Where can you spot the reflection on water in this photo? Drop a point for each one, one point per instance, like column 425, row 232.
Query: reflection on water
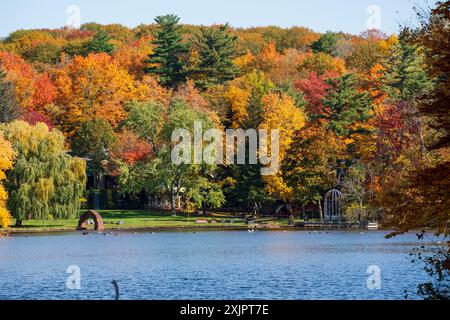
column 209, row 265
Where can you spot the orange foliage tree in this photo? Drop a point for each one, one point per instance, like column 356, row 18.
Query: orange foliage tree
column 92, row 86
column 34, row 90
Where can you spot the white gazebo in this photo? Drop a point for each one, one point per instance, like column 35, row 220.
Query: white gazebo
column 333, row 205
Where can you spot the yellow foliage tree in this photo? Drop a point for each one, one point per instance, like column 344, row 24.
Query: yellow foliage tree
column 243, row 90
column 281, row 113
column 6, row 158
column 238, row 97
column 245, row 61
column 387, row 45
column 322, row 63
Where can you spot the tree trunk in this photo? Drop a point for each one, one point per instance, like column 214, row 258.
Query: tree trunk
column 18, row 223
column 321, row 211
column 204, row 208
column 172, row 203
column 361, row 205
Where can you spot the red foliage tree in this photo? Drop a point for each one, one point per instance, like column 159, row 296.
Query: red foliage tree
column 130, row 149
column 33, row 117
column 315, row 89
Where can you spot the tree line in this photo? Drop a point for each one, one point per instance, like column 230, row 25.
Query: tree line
column 357, row 113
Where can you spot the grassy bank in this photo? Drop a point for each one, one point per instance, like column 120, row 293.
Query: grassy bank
column 135, row 219
column 117, row 220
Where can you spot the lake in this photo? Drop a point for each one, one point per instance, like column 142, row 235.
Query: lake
column 224, row 265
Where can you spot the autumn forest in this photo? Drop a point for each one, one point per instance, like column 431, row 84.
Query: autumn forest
column 365, row 114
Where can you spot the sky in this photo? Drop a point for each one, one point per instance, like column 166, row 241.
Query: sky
column 350, row 16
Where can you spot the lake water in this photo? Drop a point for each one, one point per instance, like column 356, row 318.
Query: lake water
column 222, row 265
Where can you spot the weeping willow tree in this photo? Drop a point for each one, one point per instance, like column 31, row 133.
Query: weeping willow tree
column 45, row 181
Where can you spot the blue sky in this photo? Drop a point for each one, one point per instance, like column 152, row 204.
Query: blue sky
column 320, row 15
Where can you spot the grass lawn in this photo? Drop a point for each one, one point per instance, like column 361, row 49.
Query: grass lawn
column 132, row 219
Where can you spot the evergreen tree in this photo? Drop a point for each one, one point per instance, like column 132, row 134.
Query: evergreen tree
column 406, row 77
column 216, row 50
column 9, row 107
column 347, row 107
column 100, row 43
column 45, row 181
column 166, row 60
column 327, row 43
column 406, row 80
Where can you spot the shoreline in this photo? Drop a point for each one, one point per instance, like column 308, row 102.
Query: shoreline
column 16, row 231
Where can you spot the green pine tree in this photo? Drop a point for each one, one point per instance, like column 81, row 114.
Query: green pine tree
column 347, row 107
column 216, row 49
column 166, row 60
column 100, row 43
column 406, row 78
column 327, row 43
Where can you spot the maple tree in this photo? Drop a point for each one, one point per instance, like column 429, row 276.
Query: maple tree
column 92, row 86
column 33, row 117
column 298, row 38
column 244, row 97
column 33, row 90
column 322, row 64
column 129, row 148
column 134, row 54
column 280, row 113
column 268, row 58
column 315, row 89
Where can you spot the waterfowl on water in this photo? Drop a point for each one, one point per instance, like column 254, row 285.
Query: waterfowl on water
column 116, row 289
